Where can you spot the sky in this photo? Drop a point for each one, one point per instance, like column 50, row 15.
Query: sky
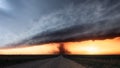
column 18, row 18
column 37, row 21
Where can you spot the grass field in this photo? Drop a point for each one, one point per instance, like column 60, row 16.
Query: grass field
column 96, row 61
column 8, row 60
column 89, row 61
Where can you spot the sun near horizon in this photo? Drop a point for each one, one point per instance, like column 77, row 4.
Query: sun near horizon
column 88, row 47
column 96, row 47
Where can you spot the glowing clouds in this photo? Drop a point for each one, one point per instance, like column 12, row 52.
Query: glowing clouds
column 88, row 47
column 97, row 47
column 32, row 50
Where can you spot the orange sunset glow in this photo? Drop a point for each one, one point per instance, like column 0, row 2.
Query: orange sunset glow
column 88, row 47
column 96, row 47
column 36, row 49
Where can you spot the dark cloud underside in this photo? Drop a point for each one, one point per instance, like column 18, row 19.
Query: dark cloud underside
column 96, row 19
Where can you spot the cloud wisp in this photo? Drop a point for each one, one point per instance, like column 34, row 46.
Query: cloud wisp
column 88, row 20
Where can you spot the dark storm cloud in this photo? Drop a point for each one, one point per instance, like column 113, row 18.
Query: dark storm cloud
column 95, row 19
column 17, row 17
